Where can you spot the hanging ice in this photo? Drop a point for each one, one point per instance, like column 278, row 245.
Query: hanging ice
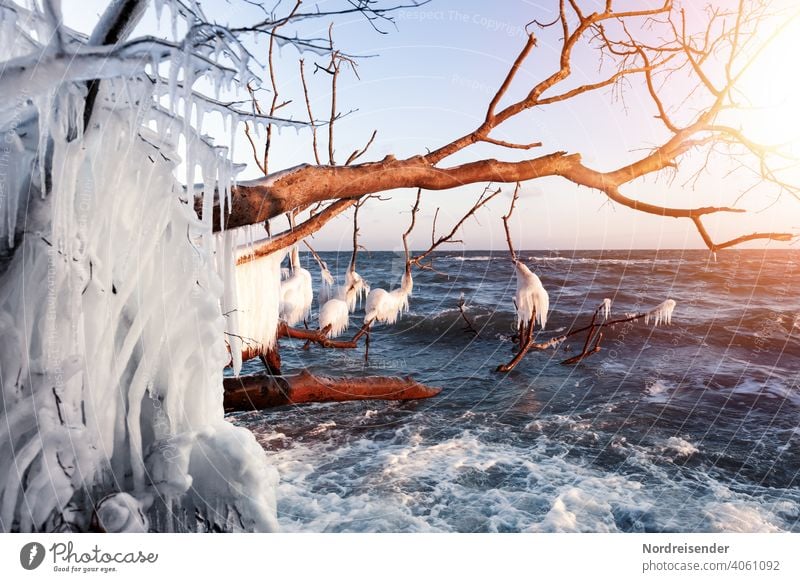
column 111, row 308
column 297, row 292
column 606, row 308
column 335, row 316
column 355, row 289
column 387, row 306
column 531, row 297
column 662, row 313
column 256, row 311
column 327, row 285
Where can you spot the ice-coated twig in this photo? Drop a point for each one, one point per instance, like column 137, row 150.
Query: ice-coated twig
column 662, row 313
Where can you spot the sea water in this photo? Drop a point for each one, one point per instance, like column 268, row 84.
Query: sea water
column 692, row 427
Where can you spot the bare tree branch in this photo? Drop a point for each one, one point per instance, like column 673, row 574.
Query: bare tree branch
column 613, row 34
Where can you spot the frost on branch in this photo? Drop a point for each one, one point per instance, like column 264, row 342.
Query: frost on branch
column 111, row 300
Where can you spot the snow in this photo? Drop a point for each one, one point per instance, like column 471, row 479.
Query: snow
column 531, row 297
column 118, row 306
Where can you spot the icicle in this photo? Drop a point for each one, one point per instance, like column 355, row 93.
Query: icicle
column 531, row 297
column 606, row 308
column 661, row 313
column 173, row 13
column 355, row 289
column 258, row 312
column 14, row 179
column 230, row 306
column 174, row 70
column 297, row 292
column 327, row 284
column 129, row 327
column 334, row 313
column 159, row 5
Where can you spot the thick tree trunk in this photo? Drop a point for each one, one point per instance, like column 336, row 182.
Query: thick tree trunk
column 263, row 391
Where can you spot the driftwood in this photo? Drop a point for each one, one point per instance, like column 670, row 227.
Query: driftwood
column 591, row 344
column 259, row 391
column 468, row 328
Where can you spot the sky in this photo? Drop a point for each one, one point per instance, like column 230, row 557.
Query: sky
column 428, row 79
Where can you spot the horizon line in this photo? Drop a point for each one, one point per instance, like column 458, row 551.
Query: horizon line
column 383, row 250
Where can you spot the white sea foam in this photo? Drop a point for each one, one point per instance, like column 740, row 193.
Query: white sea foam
column 738, row 517
column 771, row 389
column 658, row 391
column 595, row 261
column 407, row 482
column 679, row 447
column 575, row 260
column 478, row 258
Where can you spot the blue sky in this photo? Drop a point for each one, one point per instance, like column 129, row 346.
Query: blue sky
column 430, row 82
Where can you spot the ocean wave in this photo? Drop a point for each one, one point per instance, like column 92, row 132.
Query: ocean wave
column 658, row 391
column 604, row 261
column 680, row 448
column 404, row 481
column 478, row 258
column 576, row 260
column 771, row 389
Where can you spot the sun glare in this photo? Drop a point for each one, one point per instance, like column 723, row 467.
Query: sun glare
column 771, row 88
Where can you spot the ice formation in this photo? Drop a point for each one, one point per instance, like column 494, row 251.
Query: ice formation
column 297, row 292
column 352, row 292
column 355, row 289
column 120, row 513
column 337, row 301
column 111, row 301
column 662, row 313
column 248, row 308
column 387, row 306
column 531, row 297
column 605, row 308
column 327, row 284
column 334, row 313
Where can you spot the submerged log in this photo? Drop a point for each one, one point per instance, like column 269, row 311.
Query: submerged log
column 259, row 391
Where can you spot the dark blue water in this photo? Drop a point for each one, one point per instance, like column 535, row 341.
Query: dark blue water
column 688, row 427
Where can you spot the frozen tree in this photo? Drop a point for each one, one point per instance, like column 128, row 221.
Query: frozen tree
column 114, row 292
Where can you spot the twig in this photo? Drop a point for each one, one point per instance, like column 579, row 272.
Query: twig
column 310, row 115
column 274, row 105
column 461, row 308
column 483, row 199
column 505, row 223
column 358, row 153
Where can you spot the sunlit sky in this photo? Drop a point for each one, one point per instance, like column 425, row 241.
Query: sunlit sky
column 429, row 81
